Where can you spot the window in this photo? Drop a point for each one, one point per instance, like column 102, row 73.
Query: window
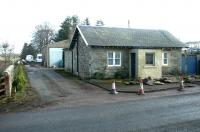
column 114, row 58
column 165, row 58
column 110, row 58
column 149, row 57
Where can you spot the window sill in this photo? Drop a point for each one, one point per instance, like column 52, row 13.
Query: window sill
column 150, row 66
column 113, row 66
column 165, row 66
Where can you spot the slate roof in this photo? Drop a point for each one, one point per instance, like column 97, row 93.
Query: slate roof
column 106, row 36
column 60, row 44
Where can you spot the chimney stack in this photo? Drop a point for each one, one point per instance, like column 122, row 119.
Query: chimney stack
column 128, row 23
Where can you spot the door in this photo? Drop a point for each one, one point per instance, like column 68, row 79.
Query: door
column 133, row 65
column 189, row 64
column 56, row 57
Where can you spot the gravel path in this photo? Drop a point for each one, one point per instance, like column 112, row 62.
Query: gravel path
column 58, row 91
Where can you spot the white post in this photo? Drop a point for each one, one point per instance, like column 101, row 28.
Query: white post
column 114, row 91
column 9, row 73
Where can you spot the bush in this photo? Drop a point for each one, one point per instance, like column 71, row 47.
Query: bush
column 19, row 78
column 99, row 75
column 121, row 74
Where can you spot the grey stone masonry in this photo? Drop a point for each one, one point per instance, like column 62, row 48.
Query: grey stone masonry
column 93, row 59
column 68, row 60
column 83, row 59
column 99, row 61
column 174, row 62
column 74, row 57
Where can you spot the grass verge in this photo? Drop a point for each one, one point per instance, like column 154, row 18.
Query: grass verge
column 20, row 99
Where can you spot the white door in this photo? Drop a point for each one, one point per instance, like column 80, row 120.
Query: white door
column 55, row 57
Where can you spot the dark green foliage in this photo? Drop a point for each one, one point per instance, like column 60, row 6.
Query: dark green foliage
column 121, row 74
column 186, row 78
column 67, row 26
column 86, row 22
column 28, row 49
column 19, row 78
column 99, row 75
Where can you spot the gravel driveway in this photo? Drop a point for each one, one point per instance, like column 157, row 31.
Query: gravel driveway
column 56, row 90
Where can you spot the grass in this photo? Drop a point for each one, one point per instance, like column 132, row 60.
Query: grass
column 18, row 97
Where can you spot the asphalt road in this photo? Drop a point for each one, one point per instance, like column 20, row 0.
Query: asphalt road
column 173, row 113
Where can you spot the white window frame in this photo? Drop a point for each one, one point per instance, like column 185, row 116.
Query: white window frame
column 163, row 59
column 114, row 52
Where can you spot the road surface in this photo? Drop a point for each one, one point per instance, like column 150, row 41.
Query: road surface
column 173, row 113
column 72, row 105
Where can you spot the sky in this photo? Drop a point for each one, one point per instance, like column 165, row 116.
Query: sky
column 19, row 17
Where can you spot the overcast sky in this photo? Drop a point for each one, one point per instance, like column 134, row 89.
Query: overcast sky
column 19, row 17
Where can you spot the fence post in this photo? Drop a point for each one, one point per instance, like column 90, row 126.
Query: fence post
column 7, row 85
column 198, row 64
column 9, row 74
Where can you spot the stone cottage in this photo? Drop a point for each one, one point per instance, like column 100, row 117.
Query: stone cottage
column 140, row 52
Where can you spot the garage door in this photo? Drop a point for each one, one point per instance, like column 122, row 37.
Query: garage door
column 56, row 57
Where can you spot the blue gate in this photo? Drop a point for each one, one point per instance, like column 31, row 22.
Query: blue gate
column 189, row 64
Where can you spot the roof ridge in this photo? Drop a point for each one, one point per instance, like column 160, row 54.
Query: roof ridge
column 120, row 28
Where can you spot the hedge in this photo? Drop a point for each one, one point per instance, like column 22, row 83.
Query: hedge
column 19, row 78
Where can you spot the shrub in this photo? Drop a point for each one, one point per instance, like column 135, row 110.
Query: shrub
column 121, row 74
column 99, row 75
column 19, row 78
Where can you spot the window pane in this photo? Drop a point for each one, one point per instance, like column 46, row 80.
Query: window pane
column 117, row 55
column 149, row 58
column 110, row 55
column 117, row 61
column 110, row 61
column 165, row 55
column 165, row 61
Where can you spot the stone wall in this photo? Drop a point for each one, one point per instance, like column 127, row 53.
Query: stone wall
column 99, row 61
column 83, row 59
column 68, row 60
column 92, row 60
column 74, row 57
column 174, row 62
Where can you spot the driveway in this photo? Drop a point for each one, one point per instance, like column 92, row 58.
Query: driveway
column 56, row 90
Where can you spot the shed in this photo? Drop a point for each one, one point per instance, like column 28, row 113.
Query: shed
column 53, row 54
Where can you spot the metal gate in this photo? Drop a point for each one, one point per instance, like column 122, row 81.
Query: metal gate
column 189, row 64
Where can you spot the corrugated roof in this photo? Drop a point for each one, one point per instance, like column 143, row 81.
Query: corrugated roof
column 106, row 36
column 60, row 44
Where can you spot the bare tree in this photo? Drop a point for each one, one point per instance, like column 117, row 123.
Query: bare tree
column 6, row 53
column 99, row 23
column 42, row 36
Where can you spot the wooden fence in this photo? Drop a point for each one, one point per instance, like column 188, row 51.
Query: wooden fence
column 6, row 82
column 3, row 80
